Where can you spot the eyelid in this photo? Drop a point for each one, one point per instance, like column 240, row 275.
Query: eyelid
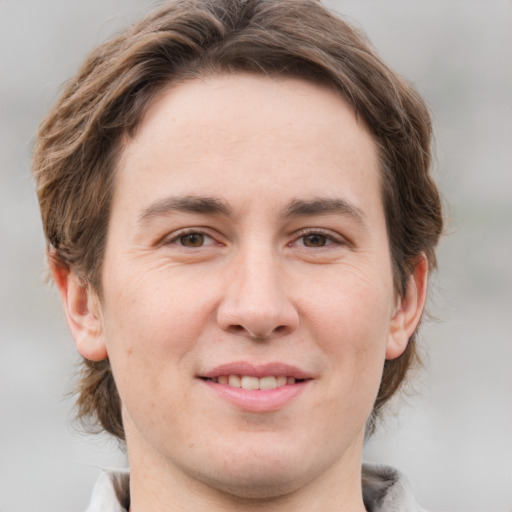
column 173, row 238
column 332, row 236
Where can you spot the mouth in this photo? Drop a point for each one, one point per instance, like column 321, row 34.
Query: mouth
column 250, row 382
column 257, row 388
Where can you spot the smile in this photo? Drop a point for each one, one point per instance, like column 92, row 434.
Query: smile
column 250, row 382
column 257, row 388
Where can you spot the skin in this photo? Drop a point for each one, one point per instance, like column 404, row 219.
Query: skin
column 257, row 278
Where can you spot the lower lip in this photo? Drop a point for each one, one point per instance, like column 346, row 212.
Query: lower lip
column 258, row 400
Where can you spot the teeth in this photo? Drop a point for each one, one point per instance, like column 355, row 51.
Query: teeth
column 234, row 381
column 249, row 382
column 281, row 381
column 268, row 383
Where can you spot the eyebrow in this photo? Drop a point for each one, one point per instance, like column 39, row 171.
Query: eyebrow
column 324, row 206
column 185, row 204
column 216, row 206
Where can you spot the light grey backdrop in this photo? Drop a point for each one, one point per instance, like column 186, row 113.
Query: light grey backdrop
column 453, row 435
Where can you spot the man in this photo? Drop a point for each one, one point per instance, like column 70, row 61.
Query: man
column 241, row 222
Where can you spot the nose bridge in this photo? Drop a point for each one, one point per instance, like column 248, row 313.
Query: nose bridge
column 256, row 302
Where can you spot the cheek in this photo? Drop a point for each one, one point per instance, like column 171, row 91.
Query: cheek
column 151, row 334
column 151, row 328
column 351, row 325
column 353, row 342
column 158, row 301
column 351, row 303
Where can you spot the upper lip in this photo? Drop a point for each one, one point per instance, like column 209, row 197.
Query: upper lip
column 276, row 369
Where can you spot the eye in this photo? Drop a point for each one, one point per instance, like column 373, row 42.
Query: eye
column 315, row 240
column 190, row 239
column 193, row 239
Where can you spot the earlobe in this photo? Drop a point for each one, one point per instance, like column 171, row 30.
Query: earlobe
column 407, row 315
column 83, row 313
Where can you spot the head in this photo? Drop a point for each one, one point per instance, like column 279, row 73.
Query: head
column 84, row 138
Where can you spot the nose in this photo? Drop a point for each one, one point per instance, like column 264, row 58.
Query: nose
column 256, row 303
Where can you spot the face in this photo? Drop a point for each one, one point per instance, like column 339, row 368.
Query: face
column 248, row 303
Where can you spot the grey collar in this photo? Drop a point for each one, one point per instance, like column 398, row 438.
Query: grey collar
column 385, row 489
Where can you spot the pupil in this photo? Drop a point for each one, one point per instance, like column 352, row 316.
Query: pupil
column 192, row 240
column 314, row 241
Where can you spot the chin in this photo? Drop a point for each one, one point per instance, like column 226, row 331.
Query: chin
column 261, row 472
column 257, row 482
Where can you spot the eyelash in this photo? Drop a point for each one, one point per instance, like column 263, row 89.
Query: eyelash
column 331, row 239
column 175, row 238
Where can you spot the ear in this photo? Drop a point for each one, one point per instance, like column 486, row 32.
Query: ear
column 83, row 313
column 407, row 314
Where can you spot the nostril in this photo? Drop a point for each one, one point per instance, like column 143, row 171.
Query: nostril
column 258, row 335
column 236, row 329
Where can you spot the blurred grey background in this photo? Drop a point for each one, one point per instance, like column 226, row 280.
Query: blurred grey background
column 452, row 433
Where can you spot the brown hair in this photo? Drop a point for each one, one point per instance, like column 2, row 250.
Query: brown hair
column 80, row 139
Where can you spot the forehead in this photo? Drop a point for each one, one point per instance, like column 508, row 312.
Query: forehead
column 258, row 133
